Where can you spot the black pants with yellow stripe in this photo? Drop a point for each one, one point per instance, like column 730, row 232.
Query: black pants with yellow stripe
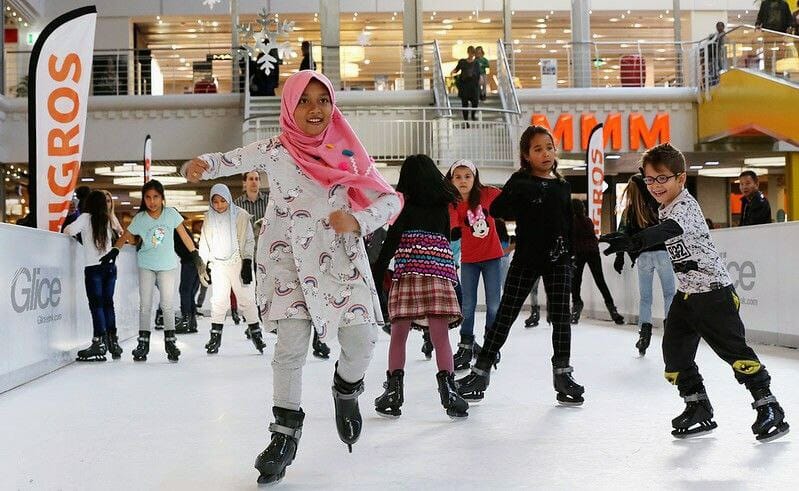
column 712, row 316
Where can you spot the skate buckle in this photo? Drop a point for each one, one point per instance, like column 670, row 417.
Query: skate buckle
column 481, row 372
column 560, row 371
column 764, row 401
column 286, row 430
column 699, row 396
column 345, row 396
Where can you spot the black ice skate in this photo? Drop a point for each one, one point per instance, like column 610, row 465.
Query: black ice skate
column 770, row 423
column 614, row 314
column 477, row 349
column 427, row 345
column 570, row 393
column 390, row 402
column 348, row 415
column 463, row 357
column 256, row 336
column 172, row 351
column 645, row 334
column 320, row 349
column 182, row 324
column 697, row 417
column 140, row 352
column 455, row 405
column 577, row 310
column 192, row 329
column 95, row 352
column 112, row 343
column 286, row 432
column 159, row 319
column 472, row 387
column 535, row 317
column 212, row 347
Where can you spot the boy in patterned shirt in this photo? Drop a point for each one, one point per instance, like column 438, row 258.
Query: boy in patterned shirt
column 706, row 305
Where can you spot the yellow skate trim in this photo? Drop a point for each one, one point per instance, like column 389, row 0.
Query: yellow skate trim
column 736, row 301
column 671, row 377
column 747, row 367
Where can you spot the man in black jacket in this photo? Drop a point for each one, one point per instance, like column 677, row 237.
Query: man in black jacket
column 755, row 208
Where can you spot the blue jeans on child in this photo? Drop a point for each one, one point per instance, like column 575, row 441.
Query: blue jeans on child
column 648, row 263
column 470, row 279
column 100, row 280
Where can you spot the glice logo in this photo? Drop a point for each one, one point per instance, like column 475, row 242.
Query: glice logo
column 30, row 291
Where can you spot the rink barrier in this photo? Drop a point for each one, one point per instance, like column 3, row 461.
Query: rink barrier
column 44, row 310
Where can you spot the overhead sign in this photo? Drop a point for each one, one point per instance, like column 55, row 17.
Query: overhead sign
column 641, row 135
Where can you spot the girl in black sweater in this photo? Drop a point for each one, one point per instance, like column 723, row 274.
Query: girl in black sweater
column 539, row 200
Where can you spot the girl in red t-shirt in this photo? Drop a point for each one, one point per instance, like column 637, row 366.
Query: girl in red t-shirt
column 481, row 252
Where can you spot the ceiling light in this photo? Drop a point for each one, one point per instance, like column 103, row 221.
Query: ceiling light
column 485, row 20
column 711, row 163
column 612, row 156
column 614, row 19
column 134, row 170
column 567, row 31
column 447, row 21
column 765, row 162
column 636, row 25
column 541, row 26
column 124, row 203
column 540, row 20
column 729, row 172
column 86, row 179
column 695, row 167
column 175, row 194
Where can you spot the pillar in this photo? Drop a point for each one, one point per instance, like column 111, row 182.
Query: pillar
column 237, row 85
column 507, row 21
column 581, row 49
column 792, row 185
column 412, row 34
column 330, row 21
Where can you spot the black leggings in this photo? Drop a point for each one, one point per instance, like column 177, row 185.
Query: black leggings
column 594, row 262
column 518, row 285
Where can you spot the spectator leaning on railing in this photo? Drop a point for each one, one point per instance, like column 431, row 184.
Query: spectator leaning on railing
column 755, row 208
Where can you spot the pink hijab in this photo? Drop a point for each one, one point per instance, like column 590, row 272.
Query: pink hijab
column 336, row 156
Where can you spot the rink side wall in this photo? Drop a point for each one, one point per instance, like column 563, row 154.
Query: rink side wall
column 763, row 265
column 44, row 314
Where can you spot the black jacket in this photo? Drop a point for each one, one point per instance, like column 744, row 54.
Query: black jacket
column 755, row 211
column 542, row 211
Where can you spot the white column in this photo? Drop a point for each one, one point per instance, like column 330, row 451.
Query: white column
column 329, row 19
column 581, row 50
column 412, row 34
column 507, row 24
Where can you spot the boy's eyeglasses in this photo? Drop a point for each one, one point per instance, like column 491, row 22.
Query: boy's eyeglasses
column 661, row 179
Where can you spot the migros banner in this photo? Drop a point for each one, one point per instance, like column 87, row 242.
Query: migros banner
column 571, row 130
column 59, row 74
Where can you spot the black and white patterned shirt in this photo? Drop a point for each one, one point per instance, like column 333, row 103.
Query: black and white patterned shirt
column 256, row 208
column 696, row 262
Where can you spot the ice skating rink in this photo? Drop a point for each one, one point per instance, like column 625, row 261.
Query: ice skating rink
column 200, row 424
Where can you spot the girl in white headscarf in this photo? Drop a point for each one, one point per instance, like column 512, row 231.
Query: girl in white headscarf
column 227, row 245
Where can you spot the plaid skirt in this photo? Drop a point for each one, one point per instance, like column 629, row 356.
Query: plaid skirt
column 415, row 298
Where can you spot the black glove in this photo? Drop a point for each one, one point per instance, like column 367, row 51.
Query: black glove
column 246, row 271
column 618, row 264
column 202, row 269
column 620, row 242
column 455, row 234
column 110, row 257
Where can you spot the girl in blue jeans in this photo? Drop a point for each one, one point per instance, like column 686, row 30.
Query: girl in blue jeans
column 641, row 212
column 481, row 252
column 96, row 230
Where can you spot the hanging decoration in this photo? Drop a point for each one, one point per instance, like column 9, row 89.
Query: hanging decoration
column 408, row 54
column 211, row 3
column 264, row 38
column 364, row 38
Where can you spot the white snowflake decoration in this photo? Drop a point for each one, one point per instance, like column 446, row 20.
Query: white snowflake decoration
column 408, row 54
column 211, row 3
column 266, row 38
column 364, row 38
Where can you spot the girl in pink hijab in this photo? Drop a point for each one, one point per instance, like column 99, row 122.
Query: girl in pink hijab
column 313, row 272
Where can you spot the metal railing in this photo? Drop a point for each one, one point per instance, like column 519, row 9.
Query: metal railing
column 205, row 69
column 383, row 66
column 440, row 94
column 771, row 52
column 419, row 130
column 613, row 63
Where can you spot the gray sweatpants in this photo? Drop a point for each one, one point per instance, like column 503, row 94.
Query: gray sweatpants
column 293, row 337
column 166, row 282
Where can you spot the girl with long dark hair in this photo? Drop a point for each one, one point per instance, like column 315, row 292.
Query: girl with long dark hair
column 423, row 284
column 95, row 226
column 539, row 200
column 158, row 264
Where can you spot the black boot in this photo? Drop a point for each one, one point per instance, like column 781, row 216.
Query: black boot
column 390, row 402
column 192, row 322
column 159, row 319
column 212, row 347
column 614, row 314
column 182, row 324
column 140, row 352
column 472, row 387
column 697, row 418
column 535, row 317
column 286, row 432
column 569, row 392
column 463, row 357
column 257, row 338
column 455, row 405
column 95, row 352
column 172, row 351
column 770, row 423
column 348, row 415
column 577, row 310
column 645, row 334
column 112, row 342
column 320, row 349
column 427, row 345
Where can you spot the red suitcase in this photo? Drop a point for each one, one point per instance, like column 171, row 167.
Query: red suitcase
column 633, row 71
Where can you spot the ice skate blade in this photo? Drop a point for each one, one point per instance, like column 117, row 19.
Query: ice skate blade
column 781, row 430
column 140, row 359
column 321, row 357
column 172, row 361
column 349, row 447
column 458, row 418
column 704, row 429
column 530, row 326
column 90, row 360
column 570, row 403
column 267, row 481
column 388, row 416
column 472, row 400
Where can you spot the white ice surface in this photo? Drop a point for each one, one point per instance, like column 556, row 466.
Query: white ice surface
column 200, row 424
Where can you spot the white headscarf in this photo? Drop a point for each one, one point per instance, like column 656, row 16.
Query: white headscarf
column 222, row 225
